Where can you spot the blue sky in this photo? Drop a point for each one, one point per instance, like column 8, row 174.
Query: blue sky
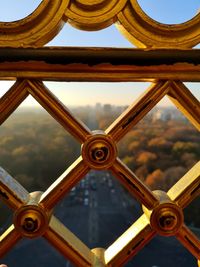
column 166, row 11
column 171, row 11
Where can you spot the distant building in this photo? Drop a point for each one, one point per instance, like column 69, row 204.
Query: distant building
column 98, row 107
column 166, row 114
column 107, row 108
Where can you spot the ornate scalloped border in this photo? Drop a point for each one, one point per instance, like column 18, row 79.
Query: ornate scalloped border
column 47, row 20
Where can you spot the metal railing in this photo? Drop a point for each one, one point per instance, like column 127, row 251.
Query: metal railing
column 166, row 67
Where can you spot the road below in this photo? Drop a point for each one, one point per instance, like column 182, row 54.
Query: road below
column 98, row 210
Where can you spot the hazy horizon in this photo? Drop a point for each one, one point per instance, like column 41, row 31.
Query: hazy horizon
column 114, row 93
column 90, row 93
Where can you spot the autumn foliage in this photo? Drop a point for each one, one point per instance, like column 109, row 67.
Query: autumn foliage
column 36, row 150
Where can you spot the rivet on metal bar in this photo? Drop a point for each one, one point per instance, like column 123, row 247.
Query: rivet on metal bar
column 31, row 220
column 99, row 151
column 167, row 217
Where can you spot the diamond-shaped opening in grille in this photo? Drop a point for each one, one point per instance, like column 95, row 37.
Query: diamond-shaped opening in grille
column 100, row 204
column 70, row 36
column 5, row 218
column 166, row 12
column 5, row 86
column 97, row 104
column 34, row 148
column 165, row 252
column 33, row 252
column 14, row 10
column 191, row 214
column 194, row 87
column 156, row 149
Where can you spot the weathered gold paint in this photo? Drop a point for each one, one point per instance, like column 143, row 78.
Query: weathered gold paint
column 143, row 31
column 99, row 151
column 167, row 217
column 162, row 211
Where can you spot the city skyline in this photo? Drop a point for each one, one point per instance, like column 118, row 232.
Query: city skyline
column 83, row 94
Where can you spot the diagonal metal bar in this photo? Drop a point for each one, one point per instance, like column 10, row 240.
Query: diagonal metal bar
column 187, row 188
column 58, row 110
column 130, row 242
column 12, row 99
column 68, row 244
column 189, row 240
column 184, row 100
column 64, row 183
column 11, row 192
column 9, row 238
column 133, row 184
column 137, row 110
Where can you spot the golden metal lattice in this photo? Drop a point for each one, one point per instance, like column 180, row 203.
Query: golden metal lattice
column 166, row 67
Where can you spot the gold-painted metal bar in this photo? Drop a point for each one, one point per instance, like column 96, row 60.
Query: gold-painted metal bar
column 9, row 238
column 130, row 242
column 189, row 240
column 11, row 192
column 58, row 110
column 181, row 96
column 64, row 183
column 12, row 99
column 187, row 188
column 68, row 244
column 137, row 110
column 100, row 64
column 99, row 259
column 134, row 185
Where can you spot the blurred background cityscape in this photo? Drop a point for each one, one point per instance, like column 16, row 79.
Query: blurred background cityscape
column 160, row 149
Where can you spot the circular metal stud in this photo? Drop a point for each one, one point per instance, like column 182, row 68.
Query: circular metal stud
column 99, row 151
column 30, row 219
column 167, row 217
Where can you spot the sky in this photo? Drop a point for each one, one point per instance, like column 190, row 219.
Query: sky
column 168, row 11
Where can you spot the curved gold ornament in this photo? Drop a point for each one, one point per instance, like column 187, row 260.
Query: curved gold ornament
column 143, row 31
column 36, row 29
column 93, row 14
